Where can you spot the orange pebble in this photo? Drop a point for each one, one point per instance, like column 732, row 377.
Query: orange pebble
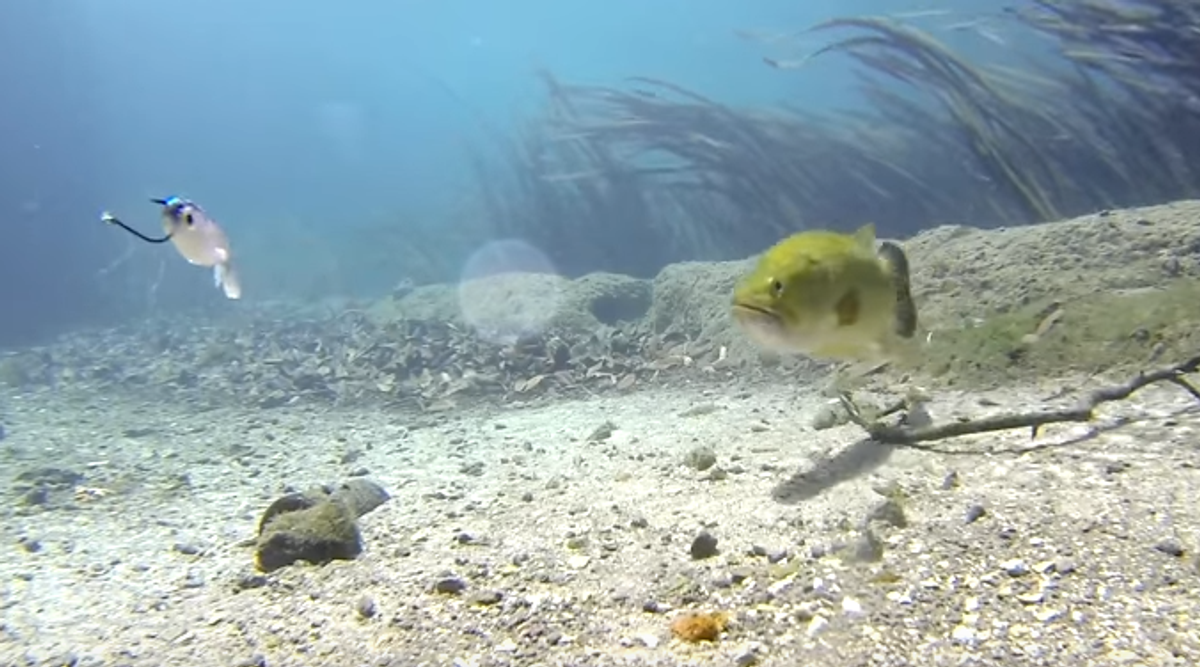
column 699, row 626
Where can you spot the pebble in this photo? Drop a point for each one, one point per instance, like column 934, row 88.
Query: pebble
column 365, row 607
column 746, row 658
column 578, row 561
column 700, row 458
column 648, row 640
column 851, row 606
column 1015, row 567
column 704, row 546
column 1170, row 548
column 486, row 598
column 1048, row 615
column 975, row 512
column 450, row 585
column 817, row 625
column 194, row 578
column 963, row 634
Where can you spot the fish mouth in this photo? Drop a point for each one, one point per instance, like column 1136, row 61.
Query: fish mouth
column 758, row 321
column 763, row 326
column 747, row 311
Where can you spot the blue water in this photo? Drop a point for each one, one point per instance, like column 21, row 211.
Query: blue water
column 299, row 124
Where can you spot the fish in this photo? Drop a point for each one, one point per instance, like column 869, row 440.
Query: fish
column 831, row 296
column 196, row 236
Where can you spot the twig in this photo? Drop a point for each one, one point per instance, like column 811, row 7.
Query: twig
column 1082, row 411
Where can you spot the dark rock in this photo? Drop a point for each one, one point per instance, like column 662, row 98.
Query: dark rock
column 1170, row 548
column 248, row 580
column 450, row 585
column 704, row 546
column 486, row 598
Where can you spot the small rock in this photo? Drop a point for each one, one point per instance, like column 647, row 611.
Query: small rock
column 963, row 634
column 474, row 469
column 889, row 512
column 486, row 598
column 830, row 416
column 578, row 561
column 975, row 512
column 950, row 481
column 248, row 580
column 1015, row 567
column 700, row 458
column 602, row 432
column 1048, row 615
column 704, row 546
column 851, row 606
column 747, row 658
column 717, row 474
column 917, row 416
column 194, row 578
column 450, row 585
column 365, row 607
column 648, row 640
column 867, row 548
column 817, row 625
column 1170, row 548
column 1035, row 596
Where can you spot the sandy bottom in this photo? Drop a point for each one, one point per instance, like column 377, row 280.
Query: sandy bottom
column 1075, row 549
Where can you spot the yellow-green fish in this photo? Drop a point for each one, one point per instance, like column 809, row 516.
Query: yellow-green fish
column 830, row 296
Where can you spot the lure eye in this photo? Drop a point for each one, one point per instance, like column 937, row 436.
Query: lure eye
column 776, row 287
column 189, row 219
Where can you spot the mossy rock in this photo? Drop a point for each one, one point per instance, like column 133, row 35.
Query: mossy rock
column 1121, row 331
column 319, row 533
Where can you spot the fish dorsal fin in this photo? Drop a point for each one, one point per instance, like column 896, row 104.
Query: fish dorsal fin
column 865, row 236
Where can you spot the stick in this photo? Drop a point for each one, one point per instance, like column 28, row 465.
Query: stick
column 1082, row 411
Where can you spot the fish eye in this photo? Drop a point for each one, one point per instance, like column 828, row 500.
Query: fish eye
column 189, row 219
column 776, row 287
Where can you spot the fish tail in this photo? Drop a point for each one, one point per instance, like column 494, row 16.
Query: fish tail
column 905, row 316
column 226, row 278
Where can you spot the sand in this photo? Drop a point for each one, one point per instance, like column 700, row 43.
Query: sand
column 1078, row 548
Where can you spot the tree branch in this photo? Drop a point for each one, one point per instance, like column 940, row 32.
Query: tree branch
column 1082, row 411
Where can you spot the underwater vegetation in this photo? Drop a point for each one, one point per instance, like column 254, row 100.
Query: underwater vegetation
column 628, row 179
